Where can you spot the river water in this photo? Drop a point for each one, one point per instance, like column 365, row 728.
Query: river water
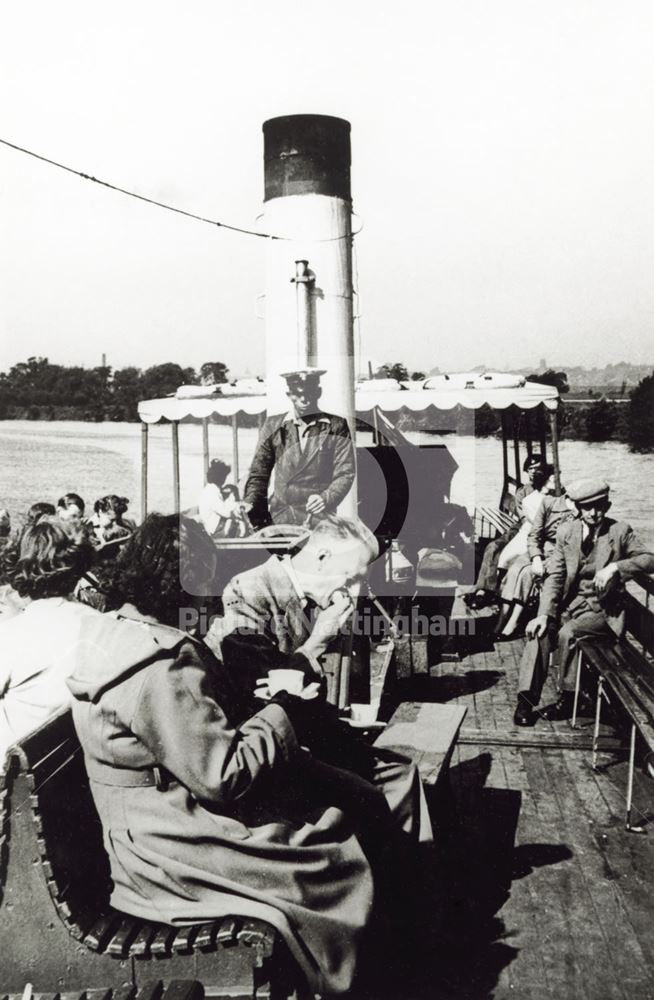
column 42, row 460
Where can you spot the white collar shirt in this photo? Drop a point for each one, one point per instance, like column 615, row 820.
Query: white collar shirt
column 302, row 426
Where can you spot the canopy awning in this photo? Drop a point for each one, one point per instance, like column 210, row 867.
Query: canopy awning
column 525, row 397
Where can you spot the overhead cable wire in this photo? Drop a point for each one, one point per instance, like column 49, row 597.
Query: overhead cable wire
column 174, row 208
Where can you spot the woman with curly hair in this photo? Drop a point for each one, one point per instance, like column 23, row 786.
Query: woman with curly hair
column 70, row 509
column 43, row 568
column 38, row 510
column 109, row 523
column 209, row 810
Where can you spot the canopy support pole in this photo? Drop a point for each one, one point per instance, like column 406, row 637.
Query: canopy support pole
column 375, row 429
column 542, row 430
column 505, row 457
column 554, row 429
column 529, row 432
column 175, row 433
column 516, row 446
column 205, row 446
column 144, row 470
column 235, row 468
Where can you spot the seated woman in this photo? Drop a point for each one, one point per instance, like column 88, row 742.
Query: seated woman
column 486, row 586
column 517, row 583
column 219, row 506
column 5, row 525
column 108, row 523
column 70, row 509
column 35, row 643
column 208, row 812
column 38, row 510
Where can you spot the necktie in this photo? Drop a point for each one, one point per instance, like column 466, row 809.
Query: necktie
column 588, row 543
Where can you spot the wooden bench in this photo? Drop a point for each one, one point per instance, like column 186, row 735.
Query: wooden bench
column 57, row 929
column 626, row 678
column 497, row 519
column 427, row 734
column 178, row 989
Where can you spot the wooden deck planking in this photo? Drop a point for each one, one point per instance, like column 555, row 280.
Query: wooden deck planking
column 578, row 921
column 617, row 919
column 528, row 971
column 580, row 901
column 625, row 860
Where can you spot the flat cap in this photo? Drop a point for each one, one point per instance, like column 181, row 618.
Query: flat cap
column 301, row 374
column 588, row 490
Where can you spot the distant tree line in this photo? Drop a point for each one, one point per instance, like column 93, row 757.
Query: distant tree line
column 602, row 419
column 38, row 390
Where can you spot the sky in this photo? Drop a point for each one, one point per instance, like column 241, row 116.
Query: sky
column 503, row 156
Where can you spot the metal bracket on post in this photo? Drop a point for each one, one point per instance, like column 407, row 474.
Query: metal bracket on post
column 575, row 705
column 598, row 710
column 630, row 828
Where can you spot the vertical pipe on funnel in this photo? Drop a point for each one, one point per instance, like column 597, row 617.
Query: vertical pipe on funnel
column 306, row 346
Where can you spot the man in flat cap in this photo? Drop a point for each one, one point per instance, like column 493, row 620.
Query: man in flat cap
column 593, row 556
column 312, row 456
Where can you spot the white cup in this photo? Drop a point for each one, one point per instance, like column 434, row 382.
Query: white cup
column 365, row 714
column 285, row 680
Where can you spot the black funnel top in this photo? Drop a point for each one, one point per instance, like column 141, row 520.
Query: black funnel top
column 306, row 154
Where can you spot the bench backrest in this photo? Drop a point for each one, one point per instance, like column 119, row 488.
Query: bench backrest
column 73, row 857
column 639, row 623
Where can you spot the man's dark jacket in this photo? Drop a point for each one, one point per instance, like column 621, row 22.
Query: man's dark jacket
column 325, row 465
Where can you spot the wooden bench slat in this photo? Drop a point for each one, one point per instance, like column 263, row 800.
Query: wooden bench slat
column 124, row 993
column 141, row 944
column 102, row 931
column 226, row 934
column 206, row 936
column 184, row 990
column 37, row 746
column 50, row 768
column 163, row 940
column 184, row 938
column 257, row 935
column 151, row 991
column 101, row 994
column 127, row 931
column 629, row 676
column 641, row 719
column 499, row 519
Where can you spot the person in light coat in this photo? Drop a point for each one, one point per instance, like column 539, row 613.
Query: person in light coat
column 45, row 563
column 208, row 811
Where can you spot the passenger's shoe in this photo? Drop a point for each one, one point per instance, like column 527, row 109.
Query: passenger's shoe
column 478, row 599
column 524, row 713
column 561, row 709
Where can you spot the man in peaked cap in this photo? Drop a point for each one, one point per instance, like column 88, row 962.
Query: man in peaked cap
column 582, row 595
column 312, row 456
